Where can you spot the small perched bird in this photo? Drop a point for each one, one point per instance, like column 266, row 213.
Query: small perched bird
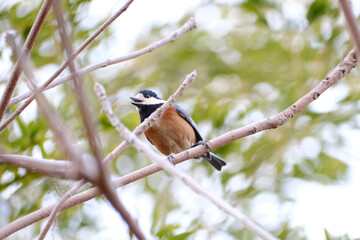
column 175, row 131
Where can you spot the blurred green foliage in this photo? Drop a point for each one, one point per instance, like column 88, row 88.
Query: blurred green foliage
column 262, row 64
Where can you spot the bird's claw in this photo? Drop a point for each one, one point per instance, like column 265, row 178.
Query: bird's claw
column 206, row 144
column 170, row 158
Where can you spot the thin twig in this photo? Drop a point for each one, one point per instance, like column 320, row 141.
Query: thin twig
column 83, row 105
column 25, row 52
column 57, row 208
column 188, row 26
column 180, row 175
column 31, row 94
column 352, row 23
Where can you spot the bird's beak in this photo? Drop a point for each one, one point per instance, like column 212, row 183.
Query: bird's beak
column 136, row 101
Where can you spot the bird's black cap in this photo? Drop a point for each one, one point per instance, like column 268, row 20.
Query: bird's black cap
column 149, row 93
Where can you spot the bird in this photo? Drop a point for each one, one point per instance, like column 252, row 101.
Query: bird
column 175, row 131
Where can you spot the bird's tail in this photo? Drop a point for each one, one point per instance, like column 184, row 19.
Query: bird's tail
column 216, row 161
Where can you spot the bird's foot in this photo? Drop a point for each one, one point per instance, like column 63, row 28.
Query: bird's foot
column 206, row 144
column 171, row 158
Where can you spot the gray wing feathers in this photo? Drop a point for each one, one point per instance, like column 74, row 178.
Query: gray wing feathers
column 186, row 116
column 216, row 161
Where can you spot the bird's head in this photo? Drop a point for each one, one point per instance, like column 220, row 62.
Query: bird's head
column 146, row 97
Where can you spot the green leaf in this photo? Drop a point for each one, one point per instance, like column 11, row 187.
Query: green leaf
column 182, row 236
column 318, row 9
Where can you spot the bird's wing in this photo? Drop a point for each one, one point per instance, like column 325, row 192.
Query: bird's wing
column 186, row 116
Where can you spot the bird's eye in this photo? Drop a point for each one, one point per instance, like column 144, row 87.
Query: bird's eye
column 147, row 96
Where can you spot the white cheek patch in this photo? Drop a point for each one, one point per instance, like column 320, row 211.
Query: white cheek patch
column 148, row 101
column 153, row 100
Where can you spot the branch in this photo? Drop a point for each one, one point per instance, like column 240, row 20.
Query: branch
column 103, row 180
column 188, row 26
column 180, row 175
column 49, row 167
column 86, row 171
column 352, row 23
column 25, row 221
column 83, row 106
column 339, row 72
column 31, row 93
column 57, row 207
column 112, row 155
column 277, row 120
column 142, row 127
column 25, row 52
column 82, row 197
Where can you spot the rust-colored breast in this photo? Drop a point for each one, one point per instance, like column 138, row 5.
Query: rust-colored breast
column 171, row 133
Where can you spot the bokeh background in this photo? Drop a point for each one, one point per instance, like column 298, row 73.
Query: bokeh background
column 254, row 58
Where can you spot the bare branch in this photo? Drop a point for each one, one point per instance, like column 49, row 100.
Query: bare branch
column 68, row 48
column 352, row 23
column 31, row 93
column 57, row 208
column 65, row 142
column 140, row 128
column 188, row 26
column 85, row 170
column 25, row 52
column 339, row 72
column 82, row 197
column 103, row 180
column 23, row 222
column 86, row 117
column 272, row 122
column 49, row 167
